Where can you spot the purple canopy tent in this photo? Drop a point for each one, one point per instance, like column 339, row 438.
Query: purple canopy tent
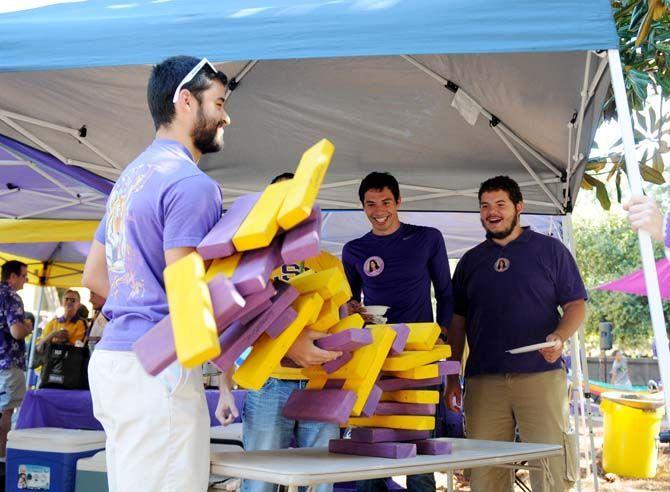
column 634, row 283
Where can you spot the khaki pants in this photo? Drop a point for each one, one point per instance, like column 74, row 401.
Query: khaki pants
column 537, row 404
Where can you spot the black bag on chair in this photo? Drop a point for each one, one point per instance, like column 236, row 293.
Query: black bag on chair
column 66, row 367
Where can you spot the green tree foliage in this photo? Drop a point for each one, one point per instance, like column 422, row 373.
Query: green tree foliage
column 643, row 27
column 606, row 251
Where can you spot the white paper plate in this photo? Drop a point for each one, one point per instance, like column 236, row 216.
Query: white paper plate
column 376, row 310
column 531, row 348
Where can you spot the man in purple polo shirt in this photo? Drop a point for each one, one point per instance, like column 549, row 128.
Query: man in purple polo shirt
column 159, row 210
column 395, row 265
column 507, row 292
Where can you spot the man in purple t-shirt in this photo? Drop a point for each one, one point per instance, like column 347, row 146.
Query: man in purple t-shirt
column 507, row 292
column 395, row 265
column 159, row 210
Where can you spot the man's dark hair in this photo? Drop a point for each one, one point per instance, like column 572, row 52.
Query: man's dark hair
column 502, row 183
column 12, row 266
column 282, row 177
column 379, row 181
column 30, row 316
column 166, row 76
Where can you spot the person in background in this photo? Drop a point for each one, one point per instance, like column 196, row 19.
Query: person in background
column 13, row 331
column 265, row 427
column 69, row 328
column 644, row 215
column 619, row 374
column 98, row 322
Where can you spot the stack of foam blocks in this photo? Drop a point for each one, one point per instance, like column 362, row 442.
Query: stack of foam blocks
column 217, row 313
column 382, row 391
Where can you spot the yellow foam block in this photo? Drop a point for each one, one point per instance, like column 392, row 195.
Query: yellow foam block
column 305, row 184
column 382, row 339
column 410, row 360
column 412, row 396
column 329, row 316
column 341, row 298
column 351, row 321
column 422, row 372
column 316, row 383
column 191, row 313
column 223, row 266
column 422, row 336
column 260, row 226
column 407, row 422
column 327, row 282
column 268, row 352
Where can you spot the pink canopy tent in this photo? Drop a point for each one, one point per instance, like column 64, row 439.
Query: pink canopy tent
column 633, row 283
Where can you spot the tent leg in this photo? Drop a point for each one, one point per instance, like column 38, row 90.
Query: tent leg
column 580, row 363
column 646, row 249
column 30, row 371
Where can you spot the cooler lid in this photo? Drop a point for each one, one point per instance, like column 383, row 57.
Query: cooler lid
column 55, row 440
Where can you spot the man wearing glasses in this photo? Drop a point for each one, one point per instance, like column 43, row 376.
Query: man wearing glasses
column 159, row 210
column 67, row 329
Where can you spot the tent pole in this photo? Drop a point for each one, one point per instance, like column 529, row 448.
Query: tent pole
column 528, row 169
column 646, row 249
column 580, row 363
column 31, row 356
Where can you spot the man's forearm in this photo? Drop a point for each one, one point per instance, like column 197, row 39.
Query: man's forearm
column 226, row 380
column 456, row 337
column 573, row 316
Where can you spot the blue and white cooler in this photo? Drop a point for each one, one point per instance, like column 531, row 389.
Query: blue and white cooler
column 45, row 458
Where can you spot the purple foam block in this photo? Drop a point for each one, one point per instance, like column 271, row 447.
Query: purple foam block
column 286, row 362
column 252, row 314
column 327, row 405
column 345, row 341
column 218, row 243
column 304, row 240
column 156, row 350
column 433, row 447
column 372, row 402
column 227, row 303
column 281, row 301
column 401, row 335
column 395, row 450
column 253, row 272
column 238, row 337
column 283, row 321
column 334, row 383
column 334, row 365
column 378, row 434
column 393, row 408
column 446, row 367
column 395, row 384
column 254, row 301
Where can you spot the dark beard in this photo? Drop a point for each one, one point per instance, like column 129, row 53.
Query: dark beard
column 502, row 234
column 204, row 135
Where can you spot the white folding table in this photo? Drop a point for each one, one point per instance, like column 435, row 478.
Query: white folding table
column 312, row 466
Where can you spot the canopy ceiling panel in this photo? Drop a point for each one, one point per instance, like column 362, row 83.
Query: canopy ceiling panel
column 330, row 69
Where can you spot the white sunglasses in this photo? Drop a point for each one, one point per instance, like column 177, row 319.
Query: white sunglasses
column 191, row 75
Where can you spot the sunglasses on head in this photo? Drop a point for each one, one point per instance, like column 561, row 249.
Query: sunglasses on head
column 191, row 75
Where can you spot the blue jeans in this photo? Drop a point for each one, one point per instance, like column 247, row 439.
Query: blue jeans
column 264, row 427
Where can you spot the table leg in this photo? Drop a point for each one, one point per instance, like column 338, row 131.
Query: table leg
column 450, row 481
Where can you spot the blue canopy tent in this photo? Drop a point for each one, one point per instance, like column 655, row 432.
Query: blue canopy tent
column 443, row 94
